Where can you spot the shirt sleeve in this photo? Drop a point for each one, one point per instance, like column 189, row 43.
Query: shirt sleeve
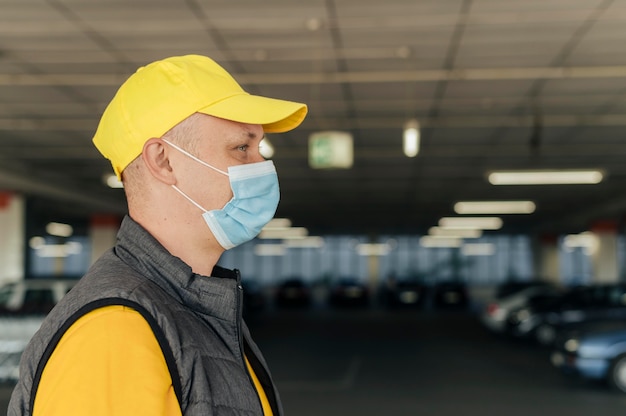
column 107, row 363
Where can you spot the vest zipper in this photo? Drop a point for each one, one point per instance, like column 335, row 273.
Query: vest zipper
column 240, row 335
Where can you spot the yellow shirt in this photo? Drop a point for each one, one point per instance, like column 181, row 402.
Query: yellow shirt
column 109, row 363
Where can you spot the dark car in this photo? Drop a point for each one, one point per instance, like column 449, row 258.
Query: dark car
column 405, row 293
column 450, row 295
column 254, row 300
column 542, row 320
column 349, row 291
column 511, row 287
column 293, row 292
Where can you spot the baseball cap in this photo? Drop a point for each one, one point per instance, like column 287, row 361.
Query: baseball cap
column 161, row 94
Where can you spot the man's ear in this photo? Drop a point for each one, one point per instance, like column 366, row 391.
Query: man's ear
column 155, row 156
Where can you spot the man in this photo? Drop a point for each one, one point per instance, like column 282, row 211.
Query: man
column 155, row 328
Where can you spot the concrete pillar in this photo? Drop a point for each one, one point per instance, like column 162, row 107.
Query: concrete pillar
column 102, row 234
column 12, row 230
column 604, row 254
column 546, row 255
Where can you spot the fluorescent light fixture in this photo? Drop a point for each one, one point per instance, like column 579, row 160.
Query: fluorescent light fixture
column 546, row 177
column 306, row 242
column 478, row 249
column 278, row 223
column 59, row 230
column 266, row 149
column 112, row 181
column 411, row 138
column 373, row 249
column 455, row 232
column 270, row 249
column 284, row 233
column 494, row 207
column 431, row 241
column 480, row 223
column 58, row 250
column 588, row 241
column 36, row 242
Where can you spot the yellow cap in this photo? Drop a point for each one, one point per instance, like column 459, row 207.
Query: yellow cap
column 162, row 94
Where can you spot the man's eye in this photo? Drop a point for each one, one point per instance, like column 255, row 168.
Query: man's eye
column 243, row 148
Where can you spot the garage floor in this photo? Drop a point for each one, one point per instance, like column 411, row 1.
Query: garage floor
column 373, row 362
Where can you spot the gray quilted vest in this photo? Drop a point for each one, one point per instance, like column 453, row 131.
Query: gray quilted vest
column 196, row 320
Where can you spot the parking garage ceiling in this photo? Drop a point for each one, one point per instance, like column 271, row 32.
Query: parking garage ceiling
column 538, row 84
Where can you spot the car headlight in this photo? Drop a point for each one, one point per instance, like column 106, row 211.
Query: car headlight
column 571, row 345
column 522, row 315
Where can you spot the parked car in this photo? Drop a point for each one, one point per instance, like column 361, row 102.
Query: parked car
column 450, row 295
column 404, row 293
column 293, row 292
column 32, row 296
column 541, row 321
column 495, row 314
column 23, row 307
column 596, row 352
column 348, row 291
column 254, row 300
column 511, row 287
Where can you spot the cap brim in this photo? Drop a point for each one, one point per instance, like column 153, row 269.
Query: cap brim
column 276, row 116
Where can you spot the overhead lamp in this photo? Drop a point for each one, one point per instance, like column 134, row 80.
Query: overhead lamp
column 480, row 223
column 455, row 232
column 546, row 177
column 478, row 249
column 306, row 242
column 59, row 229
column 270, row 250
column 411, row 138
column 266, row 149
column 587, row 240
column 112, row 181
column 284, row 233
column 278, row 223
column 494, row 207
column 430, row 241
column 373, row 249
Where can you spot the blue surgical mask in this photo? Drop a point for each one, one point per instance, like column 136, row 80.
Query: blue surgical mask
column 255, row 199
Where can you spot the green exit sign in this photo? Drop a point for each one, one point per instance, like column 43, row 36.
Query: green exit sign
column 331, row 150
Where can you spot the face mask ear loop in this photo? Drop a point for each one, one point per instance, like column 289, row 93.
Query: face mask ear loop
column 188, row 199
column 186, row 153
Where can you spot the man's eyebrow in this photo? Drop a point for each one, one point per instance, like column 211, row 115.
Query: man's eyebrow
column 253, row 135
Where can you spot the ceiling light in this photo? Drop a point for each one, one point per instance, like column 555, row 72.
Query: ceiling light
column 545, row 177
column 280, row 223
column 284, row 233
column 59, row 230
column 111, row 180
column 403, row 52
column 431, row 241
column 306, row 242
column 313, row 24
column 411, row 138
column 588, row 241
column 373, row 249
column 270, row 249
column 478, row 249
column 266, row 149
column 494, row 207
column 455, row 232
column 481, row 223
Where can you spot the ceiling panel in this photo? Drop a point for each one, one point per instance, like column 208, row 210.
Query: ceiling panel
column 494, row 85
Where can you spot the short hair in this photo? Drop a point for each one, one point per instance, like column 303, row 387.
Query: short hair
column 185, row 134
